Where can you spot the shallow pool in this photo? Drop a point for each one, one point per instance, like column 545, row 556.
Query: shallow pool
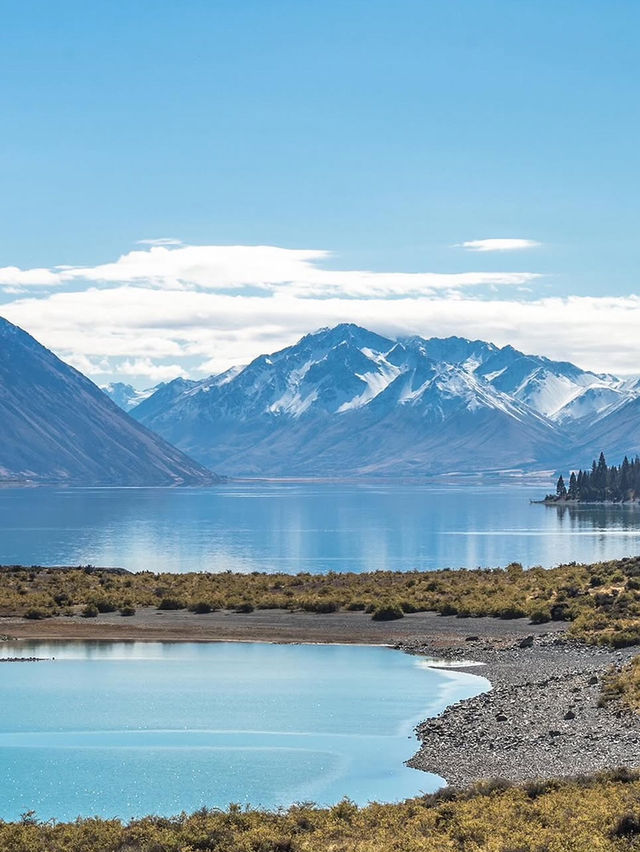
column 126, row 729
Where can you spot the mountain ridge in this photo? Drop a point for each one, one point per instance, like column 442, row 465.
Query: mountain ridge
column 348, row 401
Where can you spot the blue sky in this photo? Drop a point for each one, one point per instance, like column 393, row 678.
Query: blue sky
column 382, row 134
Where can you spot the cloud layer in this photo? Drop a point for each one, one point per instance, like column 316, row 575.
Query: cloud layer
column 169, row 310
column 499, row 245
column 267, row 269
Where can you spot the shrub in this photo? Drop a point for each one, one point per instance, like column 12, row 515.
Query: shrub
column 625, row 638
column 127, row 610
column 387, row 612
column 89, row 611
column 408, row 606
column 171, row 603
column 245, row 606
column 35, row 614
column 510, row 610
column 627, row 826
column 201, row 608
column 539, row 614
column 321, row 606
column 106, row 605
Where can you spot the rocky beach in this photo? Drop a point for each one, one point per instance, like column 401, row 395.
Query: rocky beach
column 544, row 716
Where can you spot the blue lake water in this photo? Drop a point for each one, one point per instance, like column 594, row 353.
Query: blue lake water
column 314, row 527
column 126, row 729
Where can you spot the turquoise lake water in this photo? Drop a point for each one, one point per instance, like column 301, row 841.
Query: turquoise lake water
column 126, row 729
column 307, row 527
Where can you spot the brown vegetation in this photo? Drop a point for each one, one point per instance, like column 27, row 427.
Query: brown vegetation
column 593, row 814
column 602, row 601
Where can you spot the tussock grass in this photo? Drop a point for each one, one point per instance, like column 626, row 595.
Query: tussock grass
column 602, row 601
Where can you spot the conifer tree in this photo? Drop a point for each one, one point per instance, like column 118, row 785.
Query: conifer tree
column 619, row 484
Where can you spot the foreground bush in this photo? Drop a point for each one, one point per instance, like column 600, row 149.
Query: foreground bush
column 591, row 814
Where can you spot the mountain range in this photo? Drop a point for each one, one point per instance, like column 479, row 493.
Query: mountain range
column 56, row 426
column 348, row 401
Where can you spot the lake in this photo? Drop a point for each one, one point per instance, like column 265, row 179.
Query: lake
column 127, row 729
column 315, row 527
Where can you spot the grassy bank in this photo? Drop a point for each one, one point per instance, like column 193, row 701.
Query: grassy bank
column 592, row 814
column 602, row 600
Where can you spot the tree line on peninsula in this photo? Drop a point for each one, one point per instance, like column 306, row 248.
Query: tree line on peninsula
column 601, row 484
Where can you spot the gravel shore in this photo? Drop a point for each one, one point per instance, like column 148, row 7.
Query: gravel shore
column 266, row 625
column 541, row 719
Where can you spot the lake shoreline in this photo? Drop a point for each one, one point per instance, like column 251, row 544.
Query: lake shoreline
column 540, row 719
column 268, row 625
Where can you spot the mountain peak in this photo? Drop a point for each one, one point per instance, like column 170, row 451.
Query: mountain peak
column 352, row 333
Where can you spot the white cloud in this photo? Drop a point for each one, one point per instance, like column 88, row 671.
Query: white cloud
column 147, row 370
column 166, row 310
column 498, row 245
column 160, row 241
column 125, row 329
column 13, row 276
column 268, row 269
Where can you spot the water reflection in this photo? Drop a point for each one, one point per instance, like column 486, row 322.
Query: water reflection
column 307, row 527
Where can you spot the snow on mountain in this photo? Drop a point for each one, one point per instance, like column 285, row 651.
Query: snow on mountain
column 163, row 396
column 592, row 403
column 544, row 385
column 347, row 400
column 616, row 432
column 57, row 426
column 126, row 396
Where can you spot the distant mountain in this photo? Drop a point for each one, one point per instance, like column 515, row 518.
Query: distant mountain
column 348, row 401
column 126, row 396
column 164, row 396
column 616, row 432
column 57, row 426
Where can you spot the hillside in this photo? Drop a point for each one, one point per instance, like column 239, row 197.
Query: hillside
column 56, row 426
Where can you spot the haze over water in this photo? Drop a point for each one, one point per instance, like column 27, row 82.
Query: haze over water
column 315, row 527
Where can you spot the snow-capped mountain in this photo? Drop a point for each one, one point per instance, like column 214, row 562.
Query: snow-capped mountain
column 126, row 396
column 348, row 401
column 57, row 426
